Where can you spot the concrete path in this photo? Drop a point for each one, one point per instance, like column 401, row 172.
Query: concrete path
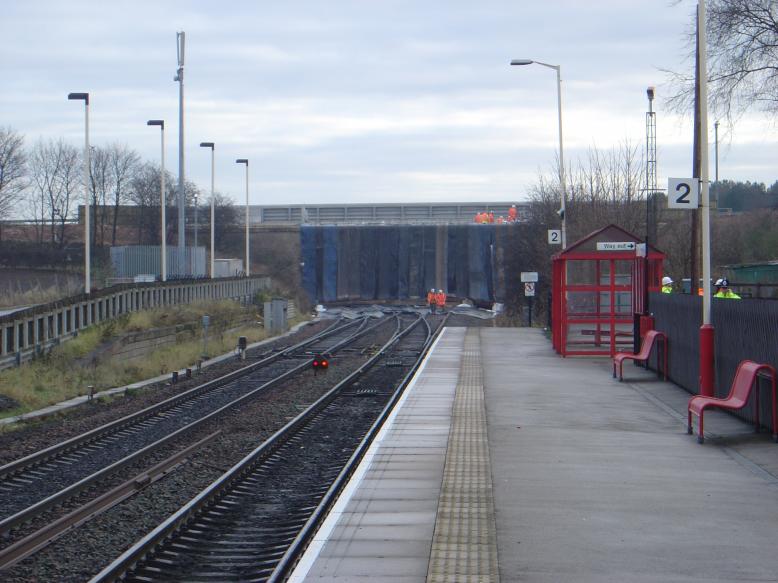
column 596, row 480
column 593, row 480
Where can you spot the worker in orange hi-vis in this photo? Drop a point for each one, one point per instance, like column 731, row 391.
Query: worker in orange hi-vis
column 440, row 300
column 432, row 300
column 491, row 217
column 512, row 213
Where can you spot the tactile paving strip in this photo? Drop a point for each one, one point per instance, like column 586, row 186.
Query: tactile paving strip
column 464, row 547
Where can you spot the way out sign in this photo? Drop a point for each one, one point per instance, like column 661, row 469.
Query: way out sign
column 683, row 193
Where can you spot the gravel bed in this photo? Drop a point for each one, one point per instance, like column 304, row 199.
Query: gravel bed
column 83, row 552
column 86, row 550
column 31, row 436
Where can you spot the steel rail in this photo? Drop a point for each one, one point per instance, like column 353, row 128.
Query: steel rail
column 15, row 466
column 49, row 533
column 288, row 561
column 239, row 471
column 25, row 515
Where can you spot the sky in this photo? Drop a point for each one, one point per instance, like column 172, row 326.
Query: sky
column 363, row 101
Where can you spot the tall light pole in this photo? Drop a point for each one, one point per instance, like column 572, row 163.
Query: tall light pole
column 716, row 137
column 87, row 238
column 196, row 202
column 162, row 202
column 180, row 40
column 707, row 369
column 213, row 207
column 246, row 162
column 558, row 69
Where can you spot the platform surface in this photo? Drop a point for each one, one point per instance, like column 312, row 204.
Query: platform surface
column 592, row 480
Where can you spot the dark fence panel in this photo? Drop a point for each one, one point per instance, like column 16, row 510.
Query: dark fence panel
column 680, row 317
column 400, row 262
column 745, row 330
column 329, row 264
column 388, row 263
column 309, row 267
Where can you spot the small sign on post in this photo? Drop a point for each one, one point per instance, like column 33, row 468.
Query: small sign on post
column 616, row 246
column 529, row 276
column 554, row 237
column 683, row 193
column 529, row 289
column 206, row 323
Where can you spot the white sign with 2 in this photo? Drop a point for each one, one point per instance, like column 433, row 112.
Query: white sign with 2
column 683, row 193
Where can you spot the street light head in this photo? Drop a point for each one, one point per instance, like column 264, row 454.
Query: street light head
column 82, row 96
column 521, row 62
column 650, row 93
column 207, row 145
column 156, row 122
column 242, row 161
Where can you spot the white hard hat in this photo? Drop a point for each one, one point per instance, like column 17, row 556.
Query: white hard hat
column 667, row 280
column 719, row 282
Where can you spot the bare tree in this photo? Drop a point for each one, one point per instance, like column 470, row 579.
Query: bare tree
column 143, row 192
column 742, row 59
column 100, row 183
column 605, row 187
column 56, row 179
column 123, row 164
column 13, row 169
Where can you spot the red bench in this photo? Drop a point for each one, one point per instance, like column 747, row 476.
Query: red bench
column 649, row 340
column 737, row 398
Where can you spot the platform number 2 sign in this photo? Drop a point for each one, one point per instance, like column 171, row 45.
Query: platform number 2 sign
column 554, row 237
column 683, row 193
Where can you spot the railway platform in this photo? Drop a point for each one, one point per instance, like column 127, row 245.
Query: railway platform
column 504, row 462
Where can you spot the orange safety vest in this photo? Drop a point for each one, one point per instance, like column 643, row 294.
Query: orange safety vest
column 512, row 213
column 440, row 299
column 431, row 298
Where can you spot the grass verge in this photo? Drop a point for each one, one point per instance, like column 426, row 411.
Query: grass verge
column 69, row 369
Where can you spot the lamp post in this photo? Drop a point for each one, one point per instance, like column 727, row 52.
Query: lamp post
column 707, row 333
column 213, row 218
column 716, row 137
column 180, row 46
column 195, row 220
column 557, row 68
column 87, row 238
column 246, row 162
column 162, row 201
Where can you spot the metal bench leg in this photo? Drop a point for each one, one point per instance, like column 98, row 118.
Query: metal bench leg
column 689, row 429
column 700, row 436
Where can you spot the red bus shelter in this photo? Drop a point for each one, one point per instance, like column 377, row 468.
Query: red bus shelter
column 598, row 286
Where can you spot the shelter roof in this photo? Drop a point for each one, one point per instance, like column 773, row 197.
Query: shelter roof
column 610, row 234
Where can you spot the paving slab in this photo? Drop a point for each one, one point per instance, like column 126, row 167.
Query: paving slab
column 382, row 526
column 597, row 480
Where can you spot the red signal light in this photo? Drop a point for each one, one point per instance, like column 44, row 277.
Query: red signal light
column 320, row 362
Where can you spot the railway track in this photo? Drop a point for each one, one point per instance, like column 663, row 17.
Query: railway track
column 252, row 523
column 36, row 483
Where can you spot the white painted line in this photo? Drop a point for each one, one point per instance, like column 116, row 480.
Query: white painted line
column 322, row 536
